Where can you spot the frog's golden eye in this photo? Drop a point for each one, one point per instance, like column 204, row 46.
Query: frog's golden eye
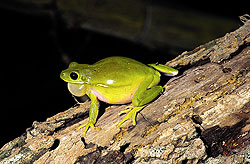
column 73, row 75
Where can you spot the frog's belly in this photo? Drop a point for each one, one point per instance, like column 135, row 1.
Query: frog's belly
column 115, row 95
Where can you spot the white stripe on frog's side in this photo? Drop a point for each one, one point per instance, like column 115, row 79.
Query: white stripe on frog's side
column 101, row 85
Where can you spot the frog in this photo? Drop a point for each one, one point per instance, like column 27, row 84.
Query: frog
column 115, row 80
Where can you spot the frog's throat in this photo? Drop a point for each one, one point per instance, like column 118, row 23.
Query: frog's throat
column 77, row 89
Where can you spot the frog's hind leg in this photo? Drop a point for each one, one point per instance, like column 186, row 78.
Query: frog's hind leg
column 169, row 71
column 142, row 96
column 147, row 96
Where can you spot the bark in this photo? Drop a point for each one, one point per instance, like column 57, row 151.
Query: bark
column 203, row 116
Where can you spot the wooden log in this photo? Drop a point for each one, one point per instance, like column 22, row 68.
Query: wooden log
column 203, row 116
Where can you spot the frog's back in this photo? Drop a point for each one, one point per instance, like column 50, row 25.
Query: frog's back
column 121, row 69
column 121, row 65
column 119, row 61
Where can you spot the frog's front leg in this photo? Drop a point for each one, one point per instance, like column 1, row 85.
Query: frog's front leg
column 142, row 96
column 93, row 113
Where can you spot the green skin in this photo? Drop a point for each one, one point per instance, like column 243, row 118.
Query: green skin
column 115, row 80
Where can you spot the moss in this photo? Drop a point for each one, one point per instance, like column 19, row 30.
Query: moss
column 5, row 154
column 17, row 143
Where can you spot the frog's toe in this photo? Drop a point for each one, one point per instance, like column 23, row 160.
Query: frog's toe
column 85, row 130
column 132, row 113
column 133, row 118
column 126, row 110
column 121, row 122
column 79, row 127
column 87, row 125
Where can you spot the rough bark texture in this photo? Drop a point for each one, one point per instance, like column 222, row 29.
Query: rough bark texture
column 203, row 116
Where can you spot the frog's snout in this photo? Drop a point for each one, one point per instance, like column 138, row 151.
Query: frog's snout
column 63, row 75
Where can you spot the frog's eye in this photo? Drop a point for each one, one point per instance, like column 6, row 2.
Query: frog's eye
column 73, row 75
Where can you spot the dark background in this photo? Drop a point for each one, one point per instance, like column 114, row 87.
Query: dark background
column 35, row 48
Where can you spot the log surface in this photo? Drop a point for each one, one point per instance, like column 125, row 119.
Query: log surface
column 203, row 116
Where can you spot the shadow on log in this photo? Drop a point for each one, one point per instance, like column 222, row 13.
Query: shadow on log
column 203, row 116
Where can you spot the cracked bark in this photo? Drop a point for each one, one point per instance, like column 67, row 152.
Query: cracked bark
column 203, row 116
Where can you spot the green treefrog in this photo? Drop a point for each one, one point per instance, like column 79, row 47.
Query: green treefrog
column 115, row 80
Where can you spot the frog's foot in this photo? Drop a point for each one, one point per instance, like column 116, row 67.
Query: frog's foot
column 126, row 110
column 131, row 112
column 87, row 125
